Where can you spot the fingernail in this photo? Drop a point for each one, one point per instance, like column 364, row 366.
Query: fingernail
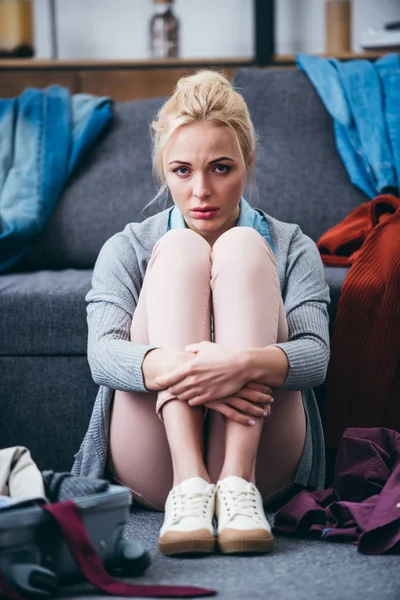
column 266, row 414
column 251, row 422
column 272, row 400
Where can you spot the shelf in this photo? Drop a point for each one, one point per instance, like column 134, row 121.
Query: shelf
column 291, row 58
column 278, row 59
column 36, row 63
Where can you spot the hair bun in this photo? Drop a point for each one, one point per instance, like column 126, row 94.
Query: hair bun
column 202, row 78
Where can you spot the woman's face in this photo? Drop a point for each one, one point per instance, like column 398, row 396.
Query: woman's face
column 206, row 177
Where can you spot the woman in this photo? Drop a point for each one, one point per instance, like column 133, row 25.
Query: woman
column 196, row 317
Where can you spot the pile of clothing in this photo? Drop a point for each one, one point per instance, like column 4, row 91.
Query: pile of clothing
column 362, row 387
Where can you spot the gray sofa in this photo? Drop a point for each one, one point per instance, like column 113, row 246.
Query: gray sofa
column 46, row 392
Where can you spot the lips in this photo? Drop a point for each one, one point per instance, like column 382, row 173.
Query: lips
column 204, row 212
column 206, row 208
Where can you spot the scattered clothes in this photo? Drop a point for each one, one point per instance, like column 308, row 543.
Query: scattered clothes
column 362, row 387
column 43, row 136
column 65, row 486
column 22, row 485
column 362, row 97
column 21, row 482
column 363, row 506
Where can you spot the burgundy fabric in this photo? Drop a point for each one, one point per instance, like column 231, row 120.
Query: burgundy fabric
column 7, row 591
column 361, row 507
column 73, row 529
column 70, row 521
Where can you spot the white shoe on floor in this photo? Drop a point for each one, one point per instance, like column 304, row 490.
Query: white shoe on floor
column 242, row 524
column 189, row 512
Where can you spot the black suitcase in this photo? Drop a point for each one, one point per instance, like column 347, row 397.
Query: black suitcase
column 36, row 560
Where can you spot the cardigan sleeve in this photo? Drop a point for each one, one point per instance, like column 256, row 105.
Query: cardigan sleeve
column 306, row 299
column 114, row 360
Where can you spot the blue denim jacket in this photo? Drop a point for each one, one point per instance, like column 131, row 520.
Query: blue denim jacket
column 248, row 217
column 363, row 98
column 43, row 135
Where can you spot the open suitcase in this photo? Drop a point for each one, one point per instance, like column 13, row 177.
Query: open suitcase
column 36, row 560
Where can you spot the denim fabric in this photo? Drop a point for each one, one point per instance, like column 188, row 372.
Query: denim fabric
column 388, row 68
column 248, row 217
column 43, row 135
column 363, row 99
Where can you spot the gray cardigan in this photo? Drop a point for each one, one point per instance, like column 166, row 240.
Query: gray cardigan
column 116, row 362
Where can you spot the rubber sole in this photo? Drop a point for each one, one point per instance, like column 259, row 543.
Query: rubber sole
column 173, row 544
column 246, row 546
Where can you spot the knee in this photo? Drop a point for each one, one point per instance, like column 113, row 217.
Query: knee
column 185, row 247
column 238, row 238
column 242, row 246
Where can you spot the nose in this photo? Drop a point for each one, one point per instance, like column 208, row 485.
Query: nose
column 201, row 187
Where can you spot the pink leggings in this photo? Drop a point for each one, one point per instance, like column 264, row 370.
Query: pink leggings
column 174, row 310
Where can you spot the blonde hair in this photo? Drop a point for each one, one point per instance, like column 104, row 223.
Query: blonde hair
column 206, row 96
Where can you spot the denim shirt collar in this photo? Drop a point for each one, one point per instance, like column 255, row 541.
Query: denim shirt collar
column 248, row 217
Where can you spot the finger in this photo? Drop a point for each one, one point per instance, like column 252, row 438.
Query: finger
column 254, row 396
column 192, row 348
column 177, row 375
column 181, row 388
column 260, row 387
column 192, row 394
column 198, row 399
column 246, row 407
column 231, row 413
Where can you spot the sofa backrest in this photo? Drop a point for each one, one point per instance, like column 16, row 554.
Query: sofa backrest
column 299, row 175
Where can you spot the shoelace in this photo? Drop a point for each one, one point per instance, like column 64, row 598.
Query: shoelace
column 240, row 503
column 190, row 505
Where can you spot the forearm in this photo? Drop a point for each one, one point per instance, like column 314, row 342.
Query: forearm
column 153, row 366
column 308, row 358
column 268, row 365
column 160, row 362
column 115, row 361
column 117, row 364
column 296, row 365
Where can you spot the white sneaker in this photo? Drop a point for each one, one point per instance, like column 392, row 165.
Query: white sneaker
column 189, row 512
column 242, row 524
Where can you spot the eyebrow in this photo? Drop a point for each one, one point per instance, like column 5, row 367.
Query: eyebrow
column 216, row 160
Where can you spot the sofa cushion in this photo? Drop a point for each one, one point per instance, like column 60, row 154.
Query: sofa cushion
column 299, row 174
column 334, row 277
column 46, row 405
column 44, row 313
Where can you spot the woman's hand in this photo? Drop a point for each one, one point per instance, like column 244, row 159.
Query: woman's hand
column 213, row 373
column 159, row 363
column 242, row 408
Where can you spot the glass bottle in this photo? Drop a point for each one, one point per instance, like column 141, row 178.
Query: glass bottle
column 16, row 29
column 164, row 31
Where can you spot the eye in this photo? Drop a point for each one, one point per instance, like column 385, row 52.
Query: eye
column 224, row 168
column 180, row 169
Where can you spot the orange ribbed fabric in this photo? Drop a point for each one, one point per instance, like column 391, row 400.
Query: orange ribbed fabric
column 362, row 387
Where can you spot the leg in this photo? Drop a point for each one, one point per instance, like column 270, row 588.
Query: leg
column 173, row 311
column 269, row 452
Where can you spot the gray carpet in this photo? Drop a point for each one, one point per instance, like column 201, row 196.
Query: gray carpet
column 297, row 570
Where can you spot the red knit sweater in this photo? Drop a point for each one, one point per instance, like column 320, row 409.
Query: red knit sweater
column 363, row 379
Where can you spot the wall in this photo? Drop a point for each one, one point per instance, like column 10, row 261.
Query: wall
column 119, row 28
column 300, row 24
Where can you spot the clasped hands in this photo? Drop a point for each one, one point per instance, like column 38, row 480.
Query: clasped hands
column 218, row 378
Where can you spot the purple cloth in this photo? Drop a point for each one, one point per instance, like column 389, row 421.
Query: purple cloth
column 361, row 508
